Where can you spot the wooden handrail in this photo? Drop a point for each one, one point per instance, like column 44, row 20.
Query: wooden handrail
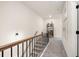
column 4, row 47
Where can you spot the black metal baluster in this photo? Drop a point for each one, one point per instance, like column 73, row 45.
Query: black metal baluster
column 32, row 47
column 11, row 52
column 22, row 49
column 29, row 48
column 2, row 53
column 26, row 49
column 18, row 50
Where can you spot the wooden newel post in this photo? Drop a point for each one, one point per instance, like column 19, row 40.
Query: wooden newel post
column 42, row 34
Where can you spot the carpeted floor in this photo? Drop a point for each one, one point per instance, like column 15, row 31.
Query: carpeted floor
column 55, row 48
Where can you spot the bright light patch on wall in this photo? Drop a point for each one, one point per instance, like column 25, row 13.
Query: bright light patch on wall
column 50, row 16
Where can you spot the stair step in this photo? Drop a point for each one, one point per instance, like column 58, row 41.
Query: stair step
column 42, row 45
column 36, row 50
column 33, row 55
column 44, row 40
column 39, row 46
column 39, row 49
column 40, row 42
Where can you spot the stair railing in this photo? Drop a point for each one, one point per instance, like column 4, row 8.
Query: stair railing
column 29, row 46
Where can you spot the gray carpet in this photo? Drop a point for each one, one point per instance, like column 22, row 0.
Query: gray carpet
column 55, row 48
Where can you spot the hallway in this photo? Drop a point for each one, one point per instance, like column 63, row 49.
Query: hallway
column 54, row 48
column 25, row 24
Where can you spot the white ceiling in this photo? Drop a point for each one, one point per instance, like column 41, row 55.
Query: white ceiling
column 46, row 8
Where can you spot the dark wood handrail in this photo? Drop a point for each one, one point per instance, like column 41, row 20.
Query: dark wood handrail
column 4, row 47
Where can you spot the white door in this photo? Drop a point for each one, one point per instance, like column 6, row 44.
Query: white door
column 77, row 32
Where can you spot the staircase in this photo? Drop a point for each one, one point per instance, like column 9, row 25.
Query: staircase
column 30, row 47
column 39, row 46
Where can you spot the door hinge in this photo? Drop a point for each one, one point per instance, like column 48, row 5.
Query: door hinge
column 77, row 6
column 77, row 32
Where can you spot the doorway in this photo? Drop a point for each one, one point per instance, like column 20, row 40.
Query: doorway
column 77, row 32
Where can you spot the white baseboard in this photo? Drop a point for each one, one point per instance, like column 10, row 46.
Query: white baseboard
column 44, row 50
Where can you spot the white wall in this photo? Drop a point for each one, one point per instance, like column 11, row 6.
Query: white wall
column 16, row 17
column 57, row 21
column 70, row 27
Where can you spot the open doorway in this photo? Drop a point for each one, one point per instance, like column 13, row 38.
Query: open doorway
column 50, row 29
